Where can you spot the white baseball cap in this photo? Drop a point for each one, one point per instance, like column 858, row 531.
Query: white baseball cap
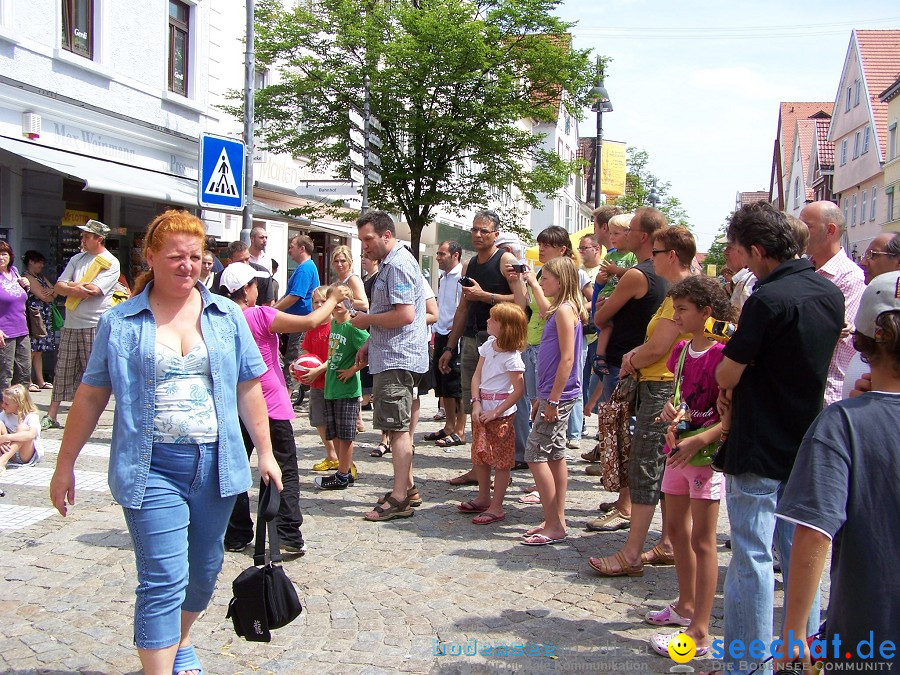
column 239, row 274
column 881, row 295
column 507, row 239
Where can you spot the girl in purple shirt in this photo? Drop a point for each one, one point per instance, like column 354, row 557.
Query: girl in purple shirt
column 559, row 385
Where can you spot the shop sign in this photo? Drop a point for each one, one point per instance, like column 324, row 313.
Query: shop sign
column 73, row 218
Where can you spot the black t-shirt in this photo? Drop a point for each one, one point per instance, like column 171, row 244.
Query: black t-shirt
column 491, row 280
column 788, row 329
column 845, row 484
column 629, row 325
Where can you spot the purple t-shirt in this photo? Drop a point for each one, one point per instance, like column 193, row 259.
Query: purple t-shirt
column 698, row 384
column 260, row 318
column 548, row 361
column 12, row 306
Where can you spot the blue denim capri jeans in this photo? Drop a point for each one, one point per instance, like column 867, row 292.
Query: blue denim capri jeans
column 178, row 534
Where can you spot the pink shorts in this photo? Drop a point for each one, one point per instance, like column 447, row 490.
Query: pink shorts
column 700, row 482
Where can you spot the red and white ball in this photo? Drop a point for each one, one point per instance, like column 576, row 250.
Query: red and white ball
column 303, row 364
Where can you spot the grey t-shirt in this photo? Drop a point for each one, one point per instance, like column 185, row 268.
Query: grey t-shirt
column 89, row 310
column 846, row 484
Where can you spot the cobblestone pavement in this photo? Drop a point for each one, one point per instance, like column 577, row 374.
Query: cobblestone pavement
column 378, row 597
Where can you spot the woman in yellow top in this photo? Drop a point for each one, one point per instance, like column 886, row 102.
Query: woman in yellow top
column 673, row 250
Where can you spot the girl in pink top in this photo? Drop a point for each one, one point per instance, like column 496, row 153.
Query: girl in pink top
column 692, row 488
column 265, row 324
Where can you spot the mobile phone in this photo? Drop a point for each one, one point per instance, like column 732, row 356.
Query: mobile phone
column 520, row 268
column 466, row 282
column 348, row 305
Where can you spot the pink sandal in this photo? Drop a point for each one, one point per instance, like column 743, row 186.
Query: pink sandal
column 667, row 617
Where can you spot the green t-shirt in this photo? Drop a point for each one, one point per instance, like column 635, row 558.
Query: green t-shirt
column 621, row 259
column 343, row 343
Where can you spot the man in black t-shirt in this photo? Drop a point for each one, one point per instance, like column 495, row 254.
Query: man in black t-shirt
column 487, row 269
column 773, row 378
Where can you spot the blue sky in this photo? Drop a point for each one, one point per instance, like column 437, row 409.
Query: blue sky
column 697, row 84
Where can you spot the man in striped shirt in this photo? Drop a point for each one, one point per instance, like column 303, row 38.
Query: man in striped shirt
column 826, row 227
column 395, row 351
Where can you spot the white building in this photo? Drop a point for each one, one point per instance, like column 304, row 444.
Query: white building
column 99, row 118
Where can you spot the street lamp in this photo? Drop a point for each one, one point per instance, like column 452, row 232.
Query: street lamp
column 601, row 105
column 653, row 197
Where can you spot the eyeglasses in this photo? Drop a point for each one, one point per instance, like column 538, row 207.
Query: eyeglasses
column 586, row 248
column 482, row 231
column 654, row 251
column 868, row 255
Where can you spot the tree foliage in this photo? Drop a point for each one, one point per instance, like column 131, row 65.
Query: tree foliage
column 639, row 180
column 448, row 81
column 716, row 255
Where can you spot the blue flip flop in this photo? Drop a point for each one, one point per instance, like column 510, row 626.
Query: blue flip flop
column 186, row 659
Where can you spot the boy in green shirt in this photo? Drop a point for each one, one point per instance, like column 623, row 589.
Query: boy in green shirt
column 342, row 392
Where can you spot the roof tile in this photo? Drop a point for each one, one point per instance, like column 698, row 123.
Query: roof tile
column 879, row 53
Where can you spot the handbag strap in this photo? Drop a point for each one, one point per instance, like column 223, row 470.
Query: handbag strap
column 269, row 502
column 678, row 377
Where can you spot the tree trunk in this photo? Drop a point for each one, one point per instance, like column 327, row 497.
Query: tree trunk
column 415, row 235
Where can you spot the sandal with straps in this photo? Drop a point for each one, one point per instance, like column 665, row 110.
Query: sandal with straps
column 391, row 509
column 186, row 660
column 380, row 450
column 604, row 566
column 415, row 499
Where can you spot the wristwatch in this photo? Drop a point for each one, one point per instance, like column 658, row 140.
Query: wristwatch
column 553, row 404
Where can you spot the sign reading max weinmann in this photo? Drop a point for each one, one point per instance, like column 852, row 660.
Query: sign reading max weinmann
column 221, row 184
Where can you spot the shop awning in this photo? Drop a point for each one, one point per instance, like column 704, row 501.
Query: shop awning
column 109, row 177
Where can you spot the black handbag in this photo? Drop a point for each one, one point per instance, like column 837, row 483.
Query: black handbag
column 264, row 597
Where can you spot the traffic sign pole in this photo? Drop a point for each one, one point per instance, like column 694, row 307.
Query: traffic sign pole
column 249, row 82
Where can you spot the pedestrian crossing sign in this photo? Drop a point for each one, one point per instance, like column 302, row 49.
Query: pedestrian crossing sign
column 221, row 184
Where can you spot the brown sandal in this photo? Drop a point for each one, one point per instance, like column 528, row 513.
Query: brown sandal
column 415, row 499
column 657, row 556
column 604, row 566
column 391, row 509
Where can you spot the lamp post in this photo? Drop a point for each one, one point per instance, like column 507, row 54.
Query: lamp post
column 653, row 197
column 601, row 105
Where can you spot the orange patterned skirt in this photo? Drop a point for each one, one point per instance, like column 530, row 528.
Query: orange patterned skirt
column 494, row 443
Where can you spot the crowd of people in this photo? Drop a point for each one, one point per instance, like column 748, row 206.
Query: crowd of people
column 526, row 355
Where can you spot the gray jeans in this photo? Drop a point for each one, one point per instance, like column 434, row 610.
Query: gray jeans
column 15, row 362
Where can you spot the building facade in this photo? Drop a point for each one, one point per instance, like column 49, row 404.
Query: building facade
column 859, row 133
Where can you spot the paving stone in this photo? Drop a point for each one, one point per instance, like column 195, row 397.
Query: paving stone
column 376, row 595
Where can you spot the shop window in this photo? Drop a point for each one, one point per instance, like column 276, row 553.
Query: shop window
column 78, row 27
column 179, row 36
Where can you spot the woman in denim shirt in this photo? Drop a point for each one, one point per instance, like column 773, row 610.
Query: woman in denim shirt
column 182, row 365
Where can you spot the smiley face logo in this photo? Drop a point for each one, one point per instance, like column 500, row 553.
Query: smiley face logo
column 682, row 648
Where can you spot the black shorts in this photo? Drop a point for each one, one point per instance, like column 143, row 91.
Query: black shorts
column 450, row 384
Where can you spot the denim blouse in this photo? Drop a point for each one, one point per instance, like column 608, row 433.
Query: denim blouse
column 123, row 359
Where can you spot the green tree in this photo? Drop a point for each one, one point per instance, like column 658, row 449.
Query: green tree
column 448, row 82
column 716, row 255
column 639, row 180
